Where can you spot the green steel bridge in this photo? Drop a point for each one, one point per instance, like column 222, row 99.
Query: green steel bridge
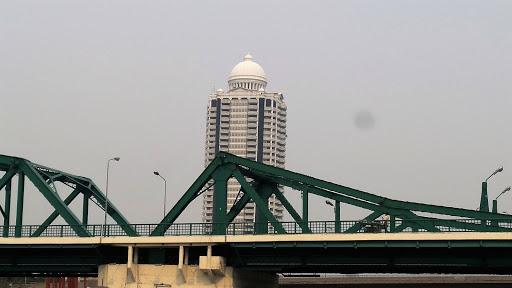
column 448, row 240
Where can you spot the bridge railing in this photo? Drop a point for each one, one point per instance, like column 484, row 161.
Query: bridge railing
column 248, row 228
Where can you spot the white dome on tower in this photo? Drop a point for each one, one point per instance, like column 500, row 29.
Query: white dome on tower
column 247, row 75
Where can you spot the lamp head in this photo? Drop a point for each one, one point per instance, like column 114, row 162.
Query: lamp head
column 117, row 158
column 495, row 172
column 329, row 203
column 156, row 173
column 506, row 189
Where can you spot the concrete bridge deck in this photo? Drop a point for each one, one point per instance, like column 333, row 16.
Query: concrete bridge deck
column 452, row 252
column 447, row 239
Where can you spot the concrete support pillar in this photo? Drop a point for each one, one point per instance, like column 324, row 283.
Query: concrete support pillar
column 180, row 257
column 186, row 256
column 130, row 257
column 135, row 255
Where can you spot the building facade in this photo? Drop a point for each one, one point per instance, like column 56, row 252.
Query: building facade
column 249, row 122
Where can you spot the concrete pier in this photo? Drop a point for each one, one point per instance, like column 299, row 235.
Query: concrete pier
column 154, row 276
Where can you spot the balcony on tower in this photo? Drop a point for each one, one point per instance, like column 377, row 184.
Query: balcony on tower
column 252, row 112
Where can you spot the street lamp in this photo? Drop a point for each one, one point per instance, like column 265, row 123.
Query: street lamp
column 484, row 202
column 165, row 188
column 495, row 201
column 106, row 194
column 329, row 203
column 495, row 172
column 506, row 189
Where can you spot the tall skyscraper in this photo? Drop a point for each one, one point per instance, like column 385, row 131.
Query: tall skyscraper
column 249, row 122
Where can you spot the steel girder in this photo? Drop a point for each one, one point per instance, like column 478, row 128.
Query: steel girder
column 44, row 179
column 226, row 166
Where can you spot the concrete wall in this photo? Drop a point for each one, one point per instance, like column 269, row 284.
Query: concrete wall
column 161, row 276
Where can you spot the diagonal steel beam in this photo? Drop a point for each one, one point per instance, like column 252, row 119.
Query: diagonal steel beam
column 8, row 176
column 260, row 204
column 291, row 210
column 239, row 205
column 356, row 227
column 55, row 214
column 345, row 199
column 191, row 193
column 53, row 198
column 263, row 169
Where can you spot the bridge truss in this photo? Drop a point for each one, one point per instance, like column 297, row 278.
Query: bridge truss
column 259, row 182
column 44, row 179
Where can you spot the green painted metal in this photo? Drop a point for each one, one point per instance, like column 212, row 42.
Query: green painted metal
column 484, row 201
column 337, row 226
column 367, row 225
column 7, row 210
column 239, row 205
column 220, row 198
column 303, row 224
column 404, row 215
column 305, row 204
column 392, row 224
column 258, row 183
column 19, row 207
column 259, row 169
column 85, row 209
column 8, row 176
column 264, row 190
column 55, row 214
column 261, row 205
column 187, row 198
column 44, row 179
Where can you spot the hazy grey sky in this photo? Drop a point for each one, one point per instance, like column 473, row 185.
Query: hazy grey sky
column 405, row 99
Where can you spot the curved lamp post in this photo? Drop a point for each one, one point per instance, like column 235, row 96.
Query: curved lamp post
column 165, row 188
column 484, row 202
column 495, row 201
column 106, row 195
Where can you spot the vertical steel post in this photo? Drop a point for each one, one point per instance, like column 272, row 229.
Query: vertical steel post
column 19, row 207
column 484, row 201
column 392, row 225
column 337, row 223
column 7, row 208
column 305, row 204
column 220, row 200
column 494, row 223
column 85, row 210
column 484, row 204
column 265, row 191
